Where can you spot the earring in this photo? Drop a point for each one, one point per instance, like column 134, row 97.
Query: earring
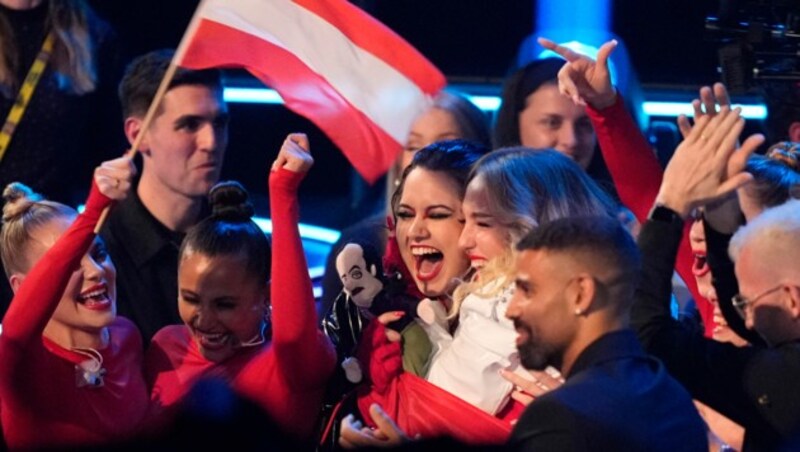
column 578, row 311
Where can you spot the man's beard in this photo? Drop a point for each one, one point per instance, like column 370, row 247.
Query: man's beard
column 533, row 354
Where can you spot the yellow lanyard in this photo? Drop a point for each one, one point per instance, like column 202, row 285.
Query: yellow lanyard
column 25, row 93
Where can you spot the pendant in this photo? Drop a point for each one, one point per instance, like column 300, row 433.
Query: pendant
column 89, row 373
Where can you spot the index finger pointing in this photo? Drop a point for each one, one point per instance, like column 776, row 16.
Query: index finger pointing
column 565, row 52
column 605, row 52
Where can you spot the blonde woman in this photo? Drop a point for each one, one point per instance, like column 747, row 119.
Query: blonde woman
column 70, row 369
column 510, row 192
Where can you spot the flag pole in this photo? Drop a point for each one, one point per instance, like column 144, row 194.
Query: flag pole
column 156, row 102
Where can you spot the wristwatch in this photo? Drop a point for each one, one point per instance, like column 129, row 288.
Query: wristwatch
column 664, row 214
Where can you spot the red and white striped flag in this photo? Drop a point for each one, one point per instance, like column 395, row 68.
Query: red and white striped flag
column 353, row 77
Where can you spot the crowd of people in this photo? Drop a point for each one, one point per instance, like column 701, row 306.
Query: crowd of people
column 521, row 294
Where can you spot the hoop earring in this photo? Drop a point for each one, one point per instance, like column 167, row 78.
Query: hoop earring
column 259, row 339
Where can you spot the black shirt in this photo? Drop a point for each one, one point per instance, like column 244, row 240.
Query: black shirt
column 145, row 253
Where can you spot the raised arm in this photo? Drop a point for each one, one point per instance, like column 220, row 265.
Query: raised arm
column 631, row 161
column 705, row 167
column 43, row 286
column 304, row 354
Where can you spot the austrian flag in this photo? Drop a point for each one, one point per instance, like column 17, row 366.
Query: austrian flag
column 353, row 77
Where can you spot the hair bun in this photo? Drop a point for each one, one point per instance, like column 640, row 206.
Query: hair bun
column 18, row 198
column 786, row 152
column 230, row 201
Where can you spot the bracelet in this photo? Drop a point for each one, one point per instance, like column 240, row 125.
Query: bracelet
column 664, row 214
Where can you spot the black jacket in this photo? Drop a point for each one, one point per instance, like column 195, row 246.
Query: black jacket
column 616, row 398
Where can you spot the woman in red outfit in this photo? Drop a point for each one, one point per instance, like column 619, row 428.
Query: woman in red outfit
column 70, row 370
column 427, row 207
column 224, row 300
column 631, row 161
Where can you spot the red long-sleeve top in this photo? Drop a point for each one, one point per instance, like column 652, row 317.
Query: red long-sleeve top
column 286, row 377
column 637, row 177
column 42, row 406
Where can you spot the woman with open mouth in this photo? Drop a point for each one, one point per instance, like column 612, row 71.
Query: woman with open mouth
column 427, row 209
column 429, row 221
column 510, row 192
column 451, row 116
column 260, row 338
column 70, row 369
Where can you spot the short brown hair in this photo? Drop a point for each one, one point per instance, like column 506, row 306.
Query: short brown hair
column 143, row 75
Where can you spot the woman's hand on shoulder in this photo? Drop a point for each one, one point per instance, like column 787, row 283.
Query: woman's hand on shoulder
column 114, row 178
column 540, row 383
column 295, row 154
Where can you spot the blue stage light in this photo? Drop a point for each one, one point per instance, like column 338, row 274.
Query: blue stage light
column 307, row 231
column 673, row 109
column 485, row 103
column 252, row 95
column 491, row 104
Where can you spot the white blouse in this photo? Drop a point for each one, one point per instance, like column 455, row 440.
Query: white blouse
column 468, row 363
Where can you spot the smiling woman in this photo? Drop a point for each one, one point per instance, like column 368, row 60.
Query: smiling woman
column 224, row 302
column 70, row 369
column 427, row 208
column 429, row 222
column 510, row 192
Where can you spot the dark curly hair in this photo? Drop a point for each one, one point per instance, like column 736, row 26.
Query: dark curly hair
column 451, row 158
column 231, row 231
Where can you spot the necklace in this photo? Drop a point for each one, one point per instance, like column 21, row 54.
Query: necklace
column 89, row 372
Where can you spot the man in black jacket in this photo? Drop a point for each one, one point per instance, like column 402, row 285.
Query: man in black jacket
column 182, row 153
column 575, row 282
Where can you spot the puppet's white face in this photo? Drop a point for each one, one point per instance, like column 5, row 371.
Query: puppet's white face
column 358, row 281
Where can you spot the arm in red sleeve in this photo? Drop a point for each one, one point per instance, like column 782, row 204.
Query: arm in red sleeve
column 382, row 359
column 43, row 286
column 305, row 356
column 629, row 157
column 637, row 177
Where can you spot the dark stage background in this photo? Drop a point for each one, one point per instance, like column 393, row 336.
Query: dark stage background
column 471, row 41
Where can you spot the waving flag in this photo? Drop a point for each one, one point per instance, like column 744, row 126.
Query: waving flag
column 354, row 78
